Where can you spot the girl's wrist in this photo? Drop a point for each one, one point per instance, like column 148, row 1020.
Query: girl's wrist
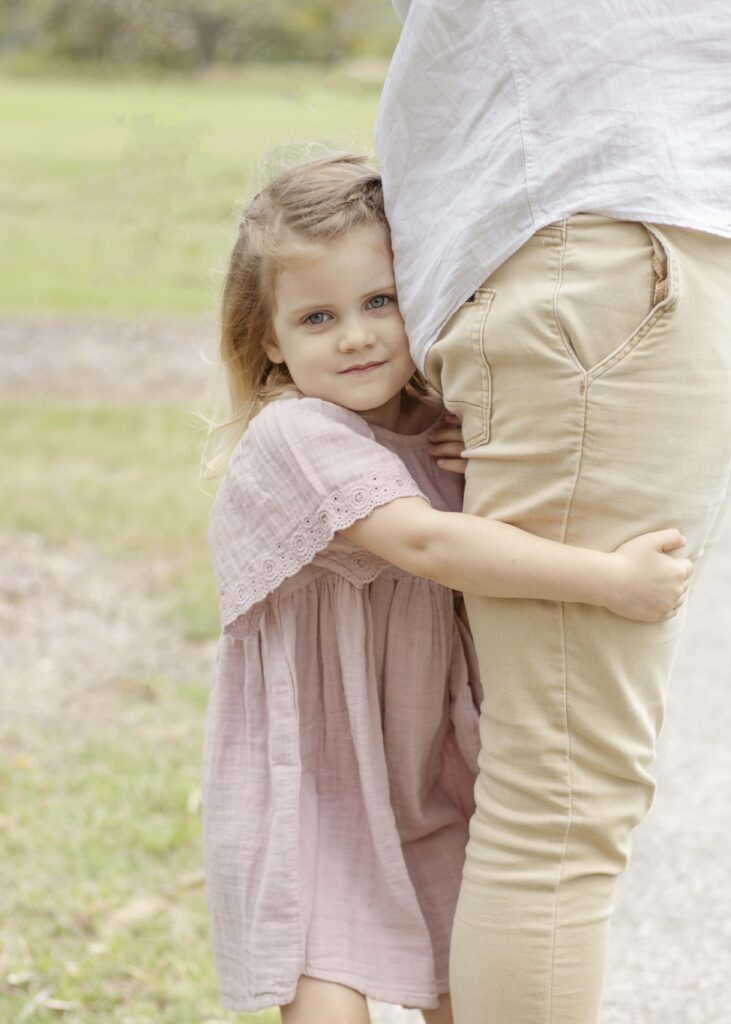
column 608, row 581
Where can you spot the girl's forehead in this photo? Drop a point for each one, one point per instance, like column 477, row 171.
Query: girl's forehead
column 370, row 239
column 359, row 253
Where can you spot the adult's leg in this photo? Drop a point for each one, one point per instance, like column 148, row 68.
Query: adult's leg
column 587, row 428
column 324, row 1002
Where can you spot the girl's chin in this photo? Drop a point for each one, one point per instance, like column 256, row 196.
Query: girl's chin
column 363, row 396
column 360, row 399
column 366, row 403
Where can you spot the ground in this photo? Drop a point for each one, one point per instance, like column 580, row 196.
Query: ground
column 72, row 640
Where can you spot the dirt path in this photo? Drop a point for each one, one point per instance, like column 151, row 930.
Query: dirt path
column 87, row 359
column 75, row 625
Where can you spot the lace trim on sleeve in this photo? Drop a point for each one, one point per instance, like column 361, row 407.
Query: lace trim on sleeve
column 337, row 512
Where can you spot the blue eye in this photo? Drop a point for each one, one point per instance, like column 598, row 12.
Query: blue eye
column 379, row 301
column 316, row 319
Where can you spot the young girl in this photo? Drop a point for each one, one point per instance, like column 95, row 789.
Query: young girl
column 341, row 741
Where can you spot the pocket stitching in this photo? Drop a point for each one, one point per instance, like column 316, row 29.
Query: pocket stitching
column 485, row 298
column 556, row 292
column 653, row 317
column 619, row 354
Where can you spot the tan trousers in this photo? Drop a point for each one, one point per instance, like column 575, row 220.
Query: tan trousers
column 593, row 374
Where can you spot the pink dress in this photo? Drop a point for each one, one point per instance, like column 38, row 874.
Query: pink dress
column 341, row 738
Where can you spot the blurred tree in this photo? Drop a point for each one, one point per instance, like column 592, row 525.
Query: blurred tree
column 197, row 33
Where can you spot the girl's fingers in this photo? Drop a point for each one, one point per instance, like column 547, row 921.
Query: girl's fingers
column 446, row 444
column 451, row 434
column 670, row 540
column 453, row 465
column 446, row 451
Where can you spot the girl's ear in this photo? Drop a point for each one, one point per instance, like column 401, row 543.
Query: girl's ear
column 272, row 349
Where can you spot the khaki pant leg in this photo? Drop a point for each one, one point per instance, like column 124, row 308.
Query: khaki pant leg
column 578, row 436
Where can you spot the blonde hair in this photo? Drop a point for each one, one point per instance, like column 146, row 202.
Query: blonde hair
column 313, row 202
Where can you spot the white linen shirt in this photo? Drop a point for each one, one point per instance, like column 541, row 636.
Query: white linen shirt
column 501, row 116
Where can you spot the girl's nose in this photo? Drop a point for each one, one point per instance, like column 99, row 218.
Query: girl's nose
column 356, row 334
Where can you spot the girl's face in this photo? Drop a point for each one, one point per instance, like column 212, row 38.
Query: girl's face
column 338, row 327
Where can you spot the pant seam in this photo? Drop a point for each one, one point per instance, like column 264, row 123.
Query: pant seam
column 569, row 760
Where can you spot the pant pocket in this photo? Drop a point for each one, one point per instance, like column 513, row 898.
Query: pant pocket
column 617, row 281
column 458, row 367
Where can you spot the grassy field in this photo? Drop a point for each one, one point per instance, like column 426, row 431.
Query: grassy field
column 120, row 196
column 102, row 901
column 124, row 479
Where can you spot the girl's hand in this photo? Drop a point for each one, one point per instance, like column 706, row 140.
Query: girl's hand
column 650, row 585
column 446, row 443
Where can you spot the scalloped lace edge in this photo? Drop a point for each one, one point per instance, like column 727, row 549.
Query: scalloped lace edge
column 337, row 512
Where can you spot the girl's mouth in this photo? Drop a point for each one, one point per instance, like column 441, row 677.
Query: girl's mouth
column 362, row 368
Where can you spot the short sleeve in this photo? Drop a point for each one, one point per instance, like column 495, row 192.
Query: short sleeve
column 304, row 470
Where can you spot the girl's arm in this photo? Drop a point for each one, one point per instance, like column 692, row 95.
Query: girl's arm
column 493, row 559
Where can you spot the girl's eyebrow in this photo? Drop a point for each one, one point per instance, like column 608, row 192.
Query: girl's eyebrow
column 379, row 290
column 390, row 287
column 310, row 307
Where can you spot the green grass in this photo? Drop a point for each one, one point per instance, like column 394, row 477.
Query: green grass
column 102, row 906
column 124, row 479
column 119, row 196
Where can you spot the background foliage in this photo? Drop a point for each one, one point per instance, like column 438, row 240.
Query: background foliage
column 194, row 34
